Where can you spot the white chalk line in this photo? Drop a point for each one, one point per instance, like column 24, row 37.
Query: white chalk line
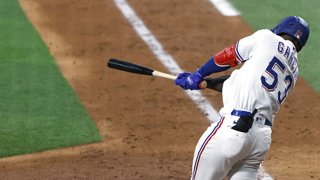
column 167, row 60
column 225, row 7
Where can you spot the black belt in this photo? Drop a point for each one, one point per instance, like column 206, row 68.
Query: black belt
column 246, row 113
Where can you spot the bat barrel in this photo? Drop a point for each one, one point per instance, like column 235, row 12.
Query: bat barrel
column 129, row 67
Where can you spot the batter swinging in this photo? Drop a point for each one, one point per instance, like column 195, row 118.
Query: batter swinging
column 235, row 146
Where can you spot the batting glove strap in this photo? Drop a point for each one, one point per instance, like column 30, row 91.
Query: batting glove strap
column 194, row 80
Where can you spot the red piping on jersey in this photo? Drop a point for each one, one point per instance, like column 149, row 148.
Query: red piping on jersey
column 238, row 56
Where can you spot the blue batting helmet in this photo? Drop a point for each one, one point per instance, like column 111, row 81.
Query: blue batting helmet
column 294, row 26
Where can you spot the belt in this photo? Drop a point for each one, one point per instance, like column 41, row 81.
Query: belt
column 246, row 113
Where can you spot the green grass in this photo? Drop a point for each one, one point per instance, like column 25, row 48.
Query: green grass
column 266, row 14
column 38, row 108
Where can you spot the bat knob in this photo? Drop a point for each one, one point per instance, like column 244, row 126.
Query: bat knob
column 203, row 85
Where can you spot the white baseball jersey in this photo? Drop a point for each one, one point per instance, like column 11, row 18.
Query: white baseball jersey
column 264, row 81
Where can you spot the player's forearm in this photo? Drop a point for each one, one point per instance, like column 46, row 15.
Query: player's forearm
column 222, row 61
column 211, row 67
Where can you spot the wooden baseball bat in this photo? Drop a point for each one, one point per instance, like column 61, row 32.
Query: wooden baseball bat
column 210, row 83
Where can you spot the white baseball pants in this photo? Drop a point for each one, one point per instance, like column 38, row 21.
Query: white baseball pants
column 223, row 152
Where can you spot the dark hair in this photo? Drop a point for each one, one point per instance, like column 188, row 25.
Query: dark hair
column 294, row 40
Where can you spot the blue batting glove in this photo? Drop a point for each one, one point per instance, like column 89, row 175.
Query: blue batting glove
column 188, row 80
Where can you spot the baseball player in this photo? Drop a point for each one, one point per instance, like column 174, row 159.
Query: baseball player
column 235, row 146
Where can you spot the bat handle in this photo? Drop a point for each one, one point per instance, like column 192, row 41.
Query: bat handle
column 164, row 75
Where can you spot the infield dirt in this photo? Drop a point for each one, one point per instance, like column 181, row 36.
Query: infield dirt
column 150, row 127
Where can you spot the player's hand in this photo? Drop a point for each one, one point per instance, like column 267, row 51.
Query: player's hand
column 187, row 80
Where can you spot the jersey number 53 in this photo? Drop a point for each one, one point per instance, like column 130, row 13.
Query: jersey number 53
column 273, row 70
